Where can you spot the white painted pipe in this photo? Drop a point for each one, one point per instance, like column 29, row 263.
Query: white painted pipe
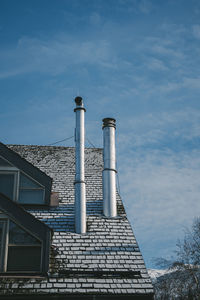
column 109, row 171
column 80, row 198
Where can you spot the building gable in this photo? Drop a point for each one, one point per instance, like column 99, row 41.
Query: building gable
column 106, row 262
column 35, row 238
column 31, row 179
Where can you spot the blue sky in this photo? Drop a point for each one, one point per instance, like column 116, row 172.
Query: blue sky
column 135, row 60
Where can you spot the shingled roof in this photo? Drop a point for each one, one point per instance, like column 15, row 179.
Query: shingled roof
column 104, row 261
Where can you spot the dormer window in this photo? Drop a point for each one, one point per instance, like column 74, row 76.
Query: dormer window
column 19, row 187
column 8, row 182
column 20, row 251
column 24, row 250
column 30, row 192
column 21, row 181
column 24, row 240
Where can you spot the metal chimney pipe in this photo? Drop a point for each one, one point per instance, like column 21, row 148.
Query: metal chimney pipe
column 109, row 172
column 80, row 198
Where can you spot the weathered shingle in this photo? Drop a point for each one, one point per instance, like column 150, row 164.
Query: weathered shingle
column 105, row 260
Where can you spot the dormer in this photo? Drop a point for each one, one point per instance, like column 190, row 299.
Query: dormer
column 22, row 182
column 24, row 240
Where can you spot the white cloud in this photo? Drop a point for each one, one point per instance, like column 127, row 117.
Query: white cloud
column 158, row 129
column 145, row 6
column 156, row 64
column 166, row 50
column 161, row 190
column 191, row 83
column 136, row 6
column 54, row 56
column 185, row 83
column 95, row 19
column 196, row 31
column 159, row 176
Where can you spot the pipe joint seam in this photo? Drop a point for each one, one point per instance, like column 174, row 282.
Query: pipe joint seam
column 79, row 181
column 79, row 108
column 108, row 169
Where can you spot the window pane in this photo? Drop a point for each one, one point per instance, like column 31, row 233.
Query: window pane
column 4, row 163
column 18, row 236
column 31, row 196
column 25, row 183
column 1, row 234
column 24, row 258
column 7, row 184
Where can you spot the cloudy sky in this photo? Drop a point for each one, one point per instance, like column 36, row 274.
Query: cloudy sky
column 135, row 60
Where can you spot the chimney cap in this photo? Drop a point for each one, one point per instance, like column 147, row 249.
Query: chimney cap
column 79, row 100
column 109, row 122
column 79, row 104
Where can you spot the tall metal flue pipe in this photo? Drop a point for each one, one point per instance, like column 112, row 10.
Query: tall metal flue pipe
column 79, row 183
column 109, row 171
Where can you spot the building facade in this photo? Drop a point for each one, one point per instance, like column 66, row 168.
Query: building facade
column 42, row 254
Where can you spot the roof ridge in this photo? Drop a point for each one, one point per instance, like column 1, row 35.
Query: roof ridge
column 51, row 146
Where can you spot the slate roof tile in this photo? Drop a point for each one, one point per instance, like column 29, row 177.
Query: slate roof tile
column 108, row 245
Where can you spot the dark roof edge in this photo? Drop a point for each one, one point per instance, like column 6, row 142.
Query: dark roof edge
column 24, row 218
column 80, row 296
column 19, row 156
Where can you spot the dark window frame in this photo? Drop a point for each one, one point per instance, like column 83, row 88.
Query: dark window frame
column 12, row 171
column 36, row 228
column 16, row 188
column 6, row 244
